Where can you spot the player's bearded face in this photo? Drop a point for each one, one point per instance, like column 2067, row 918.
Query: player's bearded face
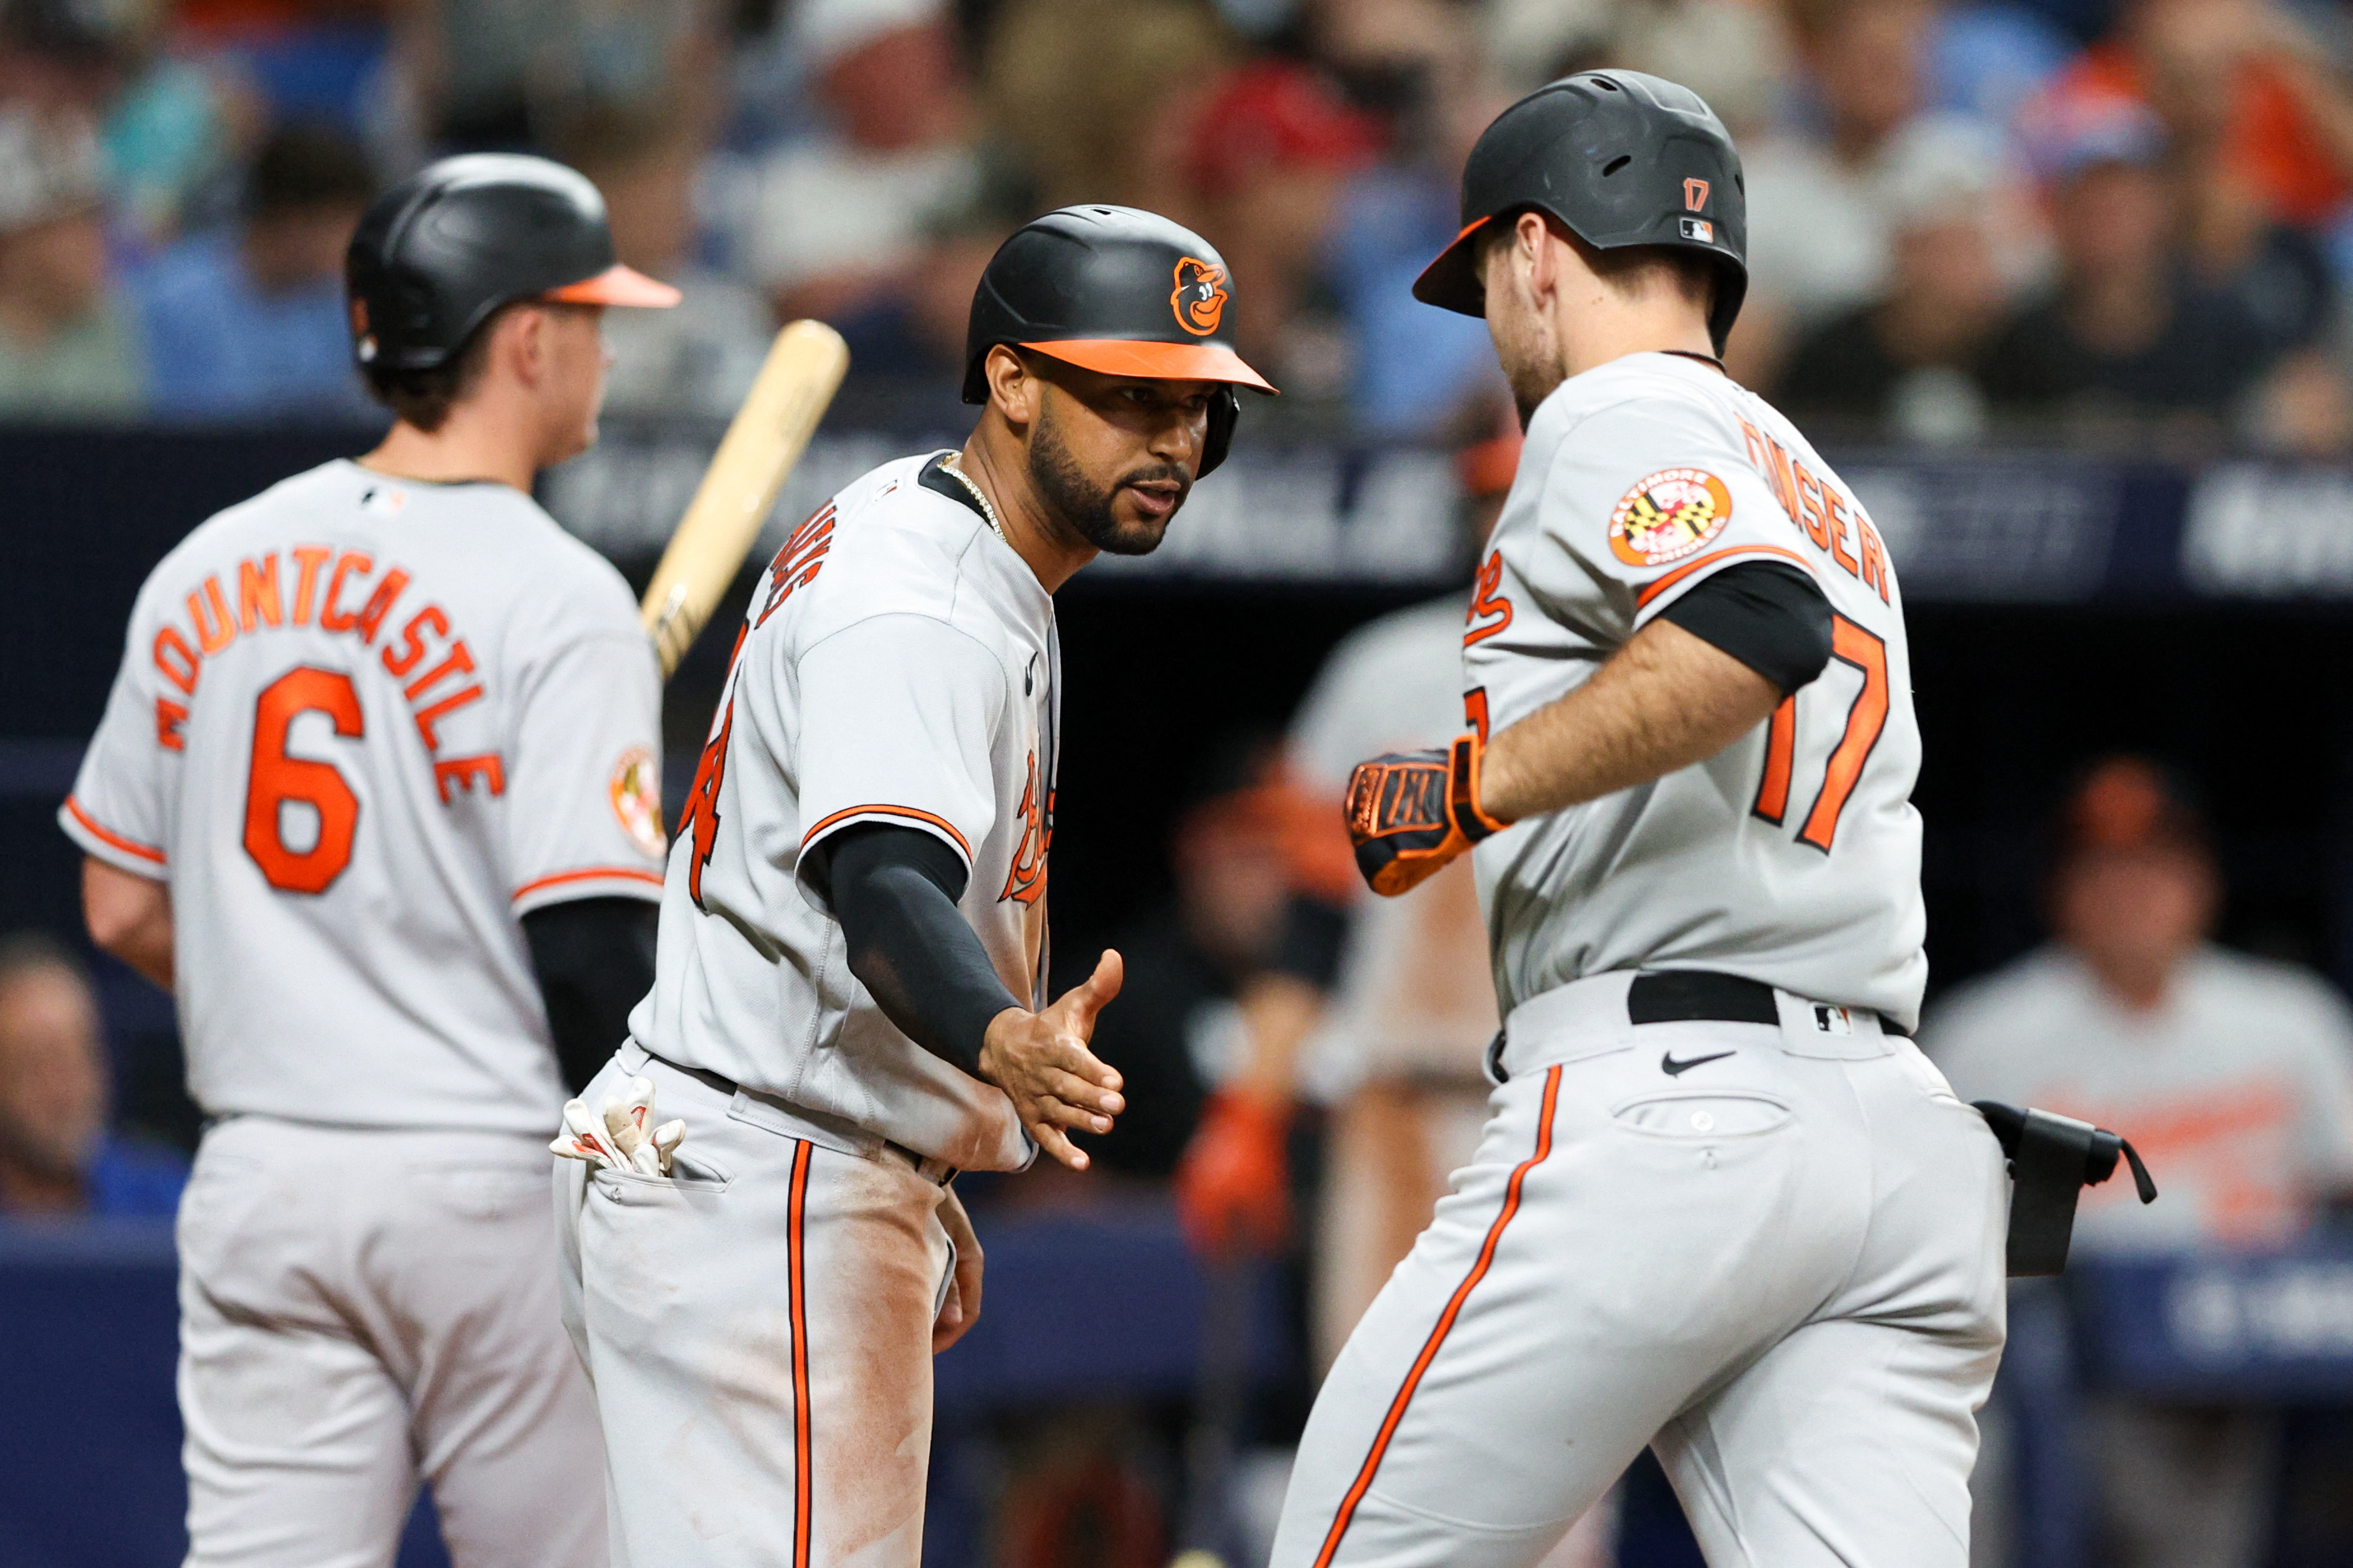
column 1122, row 501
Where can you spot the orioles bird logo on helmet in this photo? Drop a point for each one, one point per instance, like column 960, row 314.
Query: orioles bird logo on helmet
column 1199, row 300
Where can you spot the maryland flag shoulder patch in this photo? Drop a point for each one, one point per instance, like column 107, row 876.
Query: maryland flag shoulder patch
column 1672, row 513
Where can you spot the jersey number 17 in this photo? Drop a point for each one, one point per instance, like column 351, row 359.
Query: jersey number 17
column 1866, row 716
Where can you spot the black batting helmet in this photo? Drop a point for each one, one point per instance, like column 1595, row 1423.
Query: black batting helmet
column 1619, row 158
column 438, row 253
column 1119, row 291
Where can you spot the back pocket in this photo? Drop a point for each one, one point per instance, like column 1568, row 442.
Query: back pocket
column 1702, row 1116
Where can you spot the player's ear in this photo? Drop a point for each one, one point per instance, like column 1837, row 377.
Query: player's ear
column 1012, row 389
column 1532, row 250
column 529, row 345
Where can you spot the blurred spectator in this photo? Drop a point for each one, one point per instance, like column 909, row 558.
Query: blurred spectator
column 1414, row 366
column 918, row 330
column 2233, row 1076
column 831, row 224
column 2127, row 334
column 1908, row 362
column 700, row 358
column 1177, row 1029
column 67, row 349
column 502, row 75
column 59, row 1158
column 1411, row 370
column 169, row 125
column 1272, row 154
column 1096, row 97
column 249, row 321
column 1818, row 202
column 1989, row 57
column 1734, row 54
column 2239, row 80
column 2278, row 273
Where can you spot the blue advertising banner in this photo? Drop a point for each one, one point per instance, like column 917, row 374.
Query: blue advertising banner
column 1993, row 527
column 2275, row 1326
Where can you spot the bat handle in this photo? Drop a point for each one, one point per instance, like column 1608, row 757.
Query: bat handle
column 674, row 628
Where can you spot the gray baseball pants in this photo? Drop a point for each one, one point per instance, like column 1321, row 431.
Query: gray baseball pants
column 757, row 1326
column 1773, row 1254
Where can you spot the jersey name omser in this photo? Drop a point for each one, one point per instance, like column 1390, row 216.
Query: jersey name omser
column 330, row 589
column 1823, row 510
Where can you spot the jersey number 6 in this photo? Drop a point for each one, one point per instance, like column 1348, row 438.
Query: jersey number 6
column 278, row 779
column 1850, row 644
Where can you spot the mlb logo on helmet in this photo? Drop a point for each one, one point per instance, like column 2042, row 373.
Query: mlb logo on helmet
column 1700, row 229
column 361, row 337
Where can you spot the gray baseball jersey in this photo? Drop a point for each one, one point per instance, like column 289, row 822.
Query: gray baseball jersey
column 898, row 664
column 362, row 725
column 1793, row 855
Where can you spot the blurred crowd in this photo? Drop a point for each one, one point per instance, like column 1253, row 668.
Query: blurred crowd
column 2097, row 222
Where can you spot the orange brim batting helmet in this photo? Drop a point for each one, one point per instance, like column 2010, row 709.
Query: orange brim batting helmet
column 616, row 285
column 437, row 254
column 1118, row 291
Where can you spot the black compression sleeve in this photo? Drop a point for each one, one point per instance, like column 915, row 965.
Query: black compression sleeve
column 895, row 890
column 1771, row 617
column 595, row 959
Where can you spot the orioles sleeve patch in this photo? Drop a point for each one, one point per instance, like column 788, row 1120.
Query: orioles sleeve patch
column 636, row 800
column 1673, row 513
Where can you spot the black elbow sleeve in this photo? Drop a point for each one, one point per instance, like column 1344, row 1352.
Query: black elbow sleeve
column 594, row 960
column 1771, row 617
column 895, row 890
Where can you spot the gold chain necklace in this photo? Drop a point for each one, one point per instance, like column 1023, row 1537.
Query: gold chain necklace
column 948, row 466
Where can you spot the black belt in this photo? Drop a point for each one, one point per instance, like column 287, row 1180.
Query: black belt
column 938, row 1172
column 1688, row 996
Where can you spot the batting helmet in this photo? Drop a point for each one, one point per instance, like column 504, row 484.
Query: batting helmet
column 1116, row 291
column 1619, row 158
column 437, row 254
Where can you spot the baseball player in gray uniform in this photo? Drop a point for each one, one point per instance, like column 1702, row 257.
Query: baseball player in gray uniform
column 375, row 797
column 849, row 1004
column 1723, row 1207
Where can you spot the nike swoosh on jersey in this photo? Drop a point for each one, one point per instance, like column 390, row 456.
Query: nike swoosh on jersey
column 1673, row 1069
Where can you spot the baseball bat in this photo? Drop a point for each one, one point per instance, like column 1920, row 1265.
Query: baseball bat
column 765, row 438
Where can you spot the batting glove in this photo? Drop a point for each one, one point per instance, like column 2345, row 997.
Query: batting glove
column 1233, row 1185
column 1412, row 812
column 621, row 1137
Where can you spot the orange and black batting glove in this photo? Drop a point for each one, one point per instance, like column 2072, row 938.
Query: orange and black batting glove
column 1411, row 811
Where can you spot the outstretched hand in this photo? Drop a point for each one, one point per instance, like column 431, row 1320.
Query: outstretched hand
column 1041, row 1062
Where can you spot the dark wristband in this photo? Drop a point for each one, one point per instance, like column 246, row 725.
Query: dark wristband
column 895, row 890
column 1771, row 617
